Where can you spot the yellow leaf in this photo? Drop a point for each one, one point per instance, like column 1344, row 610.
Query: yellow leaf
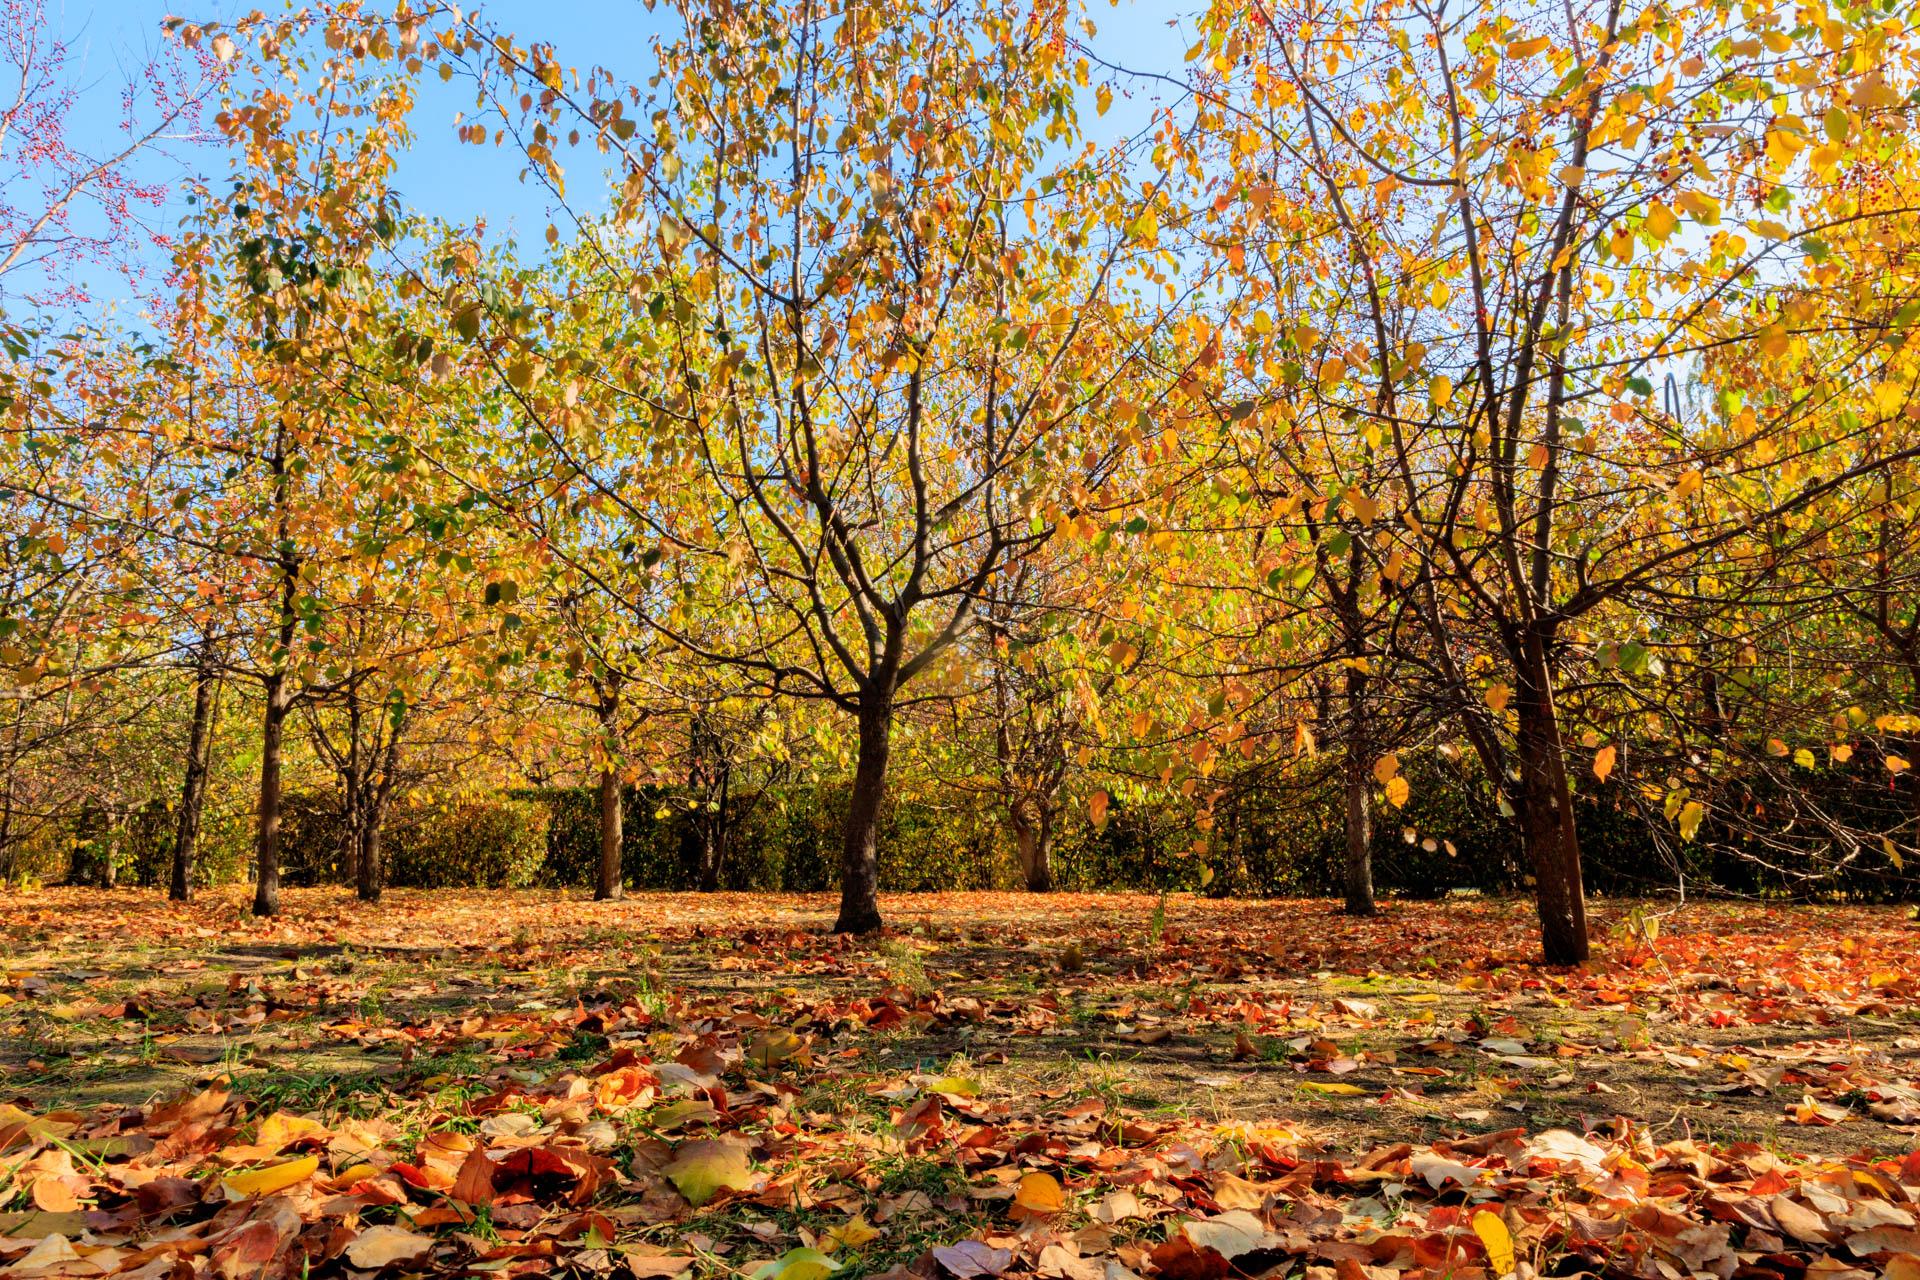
column 1386, row 767
column 1340, row 1087
column 703, row 1169
column 1704, row 208
column 854, row 1232
column 1103, row 98
column 264, row 1182
column 1493, row 1233
column 1897, row 764
column 1397, row 792
column 1097, row 809
column 958, row 1086
column 1691, row 815
column 1527, row 48
column 1039, row 1195
column 1499, row 693
column 1442, row 392
column 797, row 1264
column 1838, row 124
column 281, row 1130
column 1660, row 222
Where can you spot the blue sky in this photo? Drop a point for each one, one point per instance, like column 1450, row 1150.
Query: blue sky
column 440, row 177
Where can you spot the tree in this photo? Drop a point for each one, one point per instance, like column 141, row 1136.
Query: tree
column 879, row 340
column 1508, row 281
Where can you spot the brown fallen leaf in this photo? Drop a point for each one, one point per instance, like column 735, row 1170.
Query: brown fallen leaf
column 970, row 1259
column 385, row 1244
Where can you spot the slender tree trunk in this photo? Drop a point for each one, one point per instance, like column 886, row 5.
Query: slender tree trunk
column 369, row 871
column 1359, row 794
column 370, row 867
column 609, row 882
column 712, row 856
column 860, row 839
column 353, row 785
column 273, row 732
column 1546, row 815
column 8, row 869
column 193, row 789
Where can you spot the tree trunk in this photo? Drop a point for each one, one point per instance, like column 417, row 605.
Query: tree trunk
column 370, row 867
column 1546, row 817
column 193, row 789
column 353, row 787
column 1033, row 837
column 266, row 893
column 608, row 882
column 1359, row 789
column 369, row 872
column 712, row 854
column 860, row 842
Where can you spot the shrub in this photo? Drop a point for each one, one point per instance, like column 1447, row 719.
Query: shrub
column 466, row 843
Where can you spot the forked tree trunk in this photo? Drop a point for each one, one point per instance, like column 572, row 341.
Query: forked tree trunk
column 1546, row 817
column 1359, row 795
column 860, row 839
column 273, row 732
column 193, row 788
column 1033, row 838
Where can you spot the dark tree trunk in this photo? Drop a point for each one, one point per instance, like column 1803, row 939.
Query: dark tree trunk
column 369, row 873
column 712, row 856
column 193, row 789
column 710, row 780
column 273, row 732
column 1546, row 816
column 609, row 881
column 353, row 788
column 860, row 843
column 370, row 868
column 1359, row 790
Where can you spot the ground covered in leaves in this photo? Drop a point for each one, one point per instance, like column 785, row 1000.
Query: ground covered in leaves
column 1076, row 1087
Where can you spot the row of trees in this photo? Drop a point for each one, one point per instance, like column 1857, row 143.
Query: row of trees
column 1527, row 388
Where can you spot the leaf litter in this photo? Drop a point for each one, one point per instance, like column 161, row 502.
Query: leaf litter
column 707, row 1086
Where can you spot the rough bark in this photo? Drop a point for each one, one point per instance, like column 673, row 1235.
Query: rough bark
column 1033, row 838
column 860, row 838
column 193, row 788
column 1546, row 817
column 1359, row 795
